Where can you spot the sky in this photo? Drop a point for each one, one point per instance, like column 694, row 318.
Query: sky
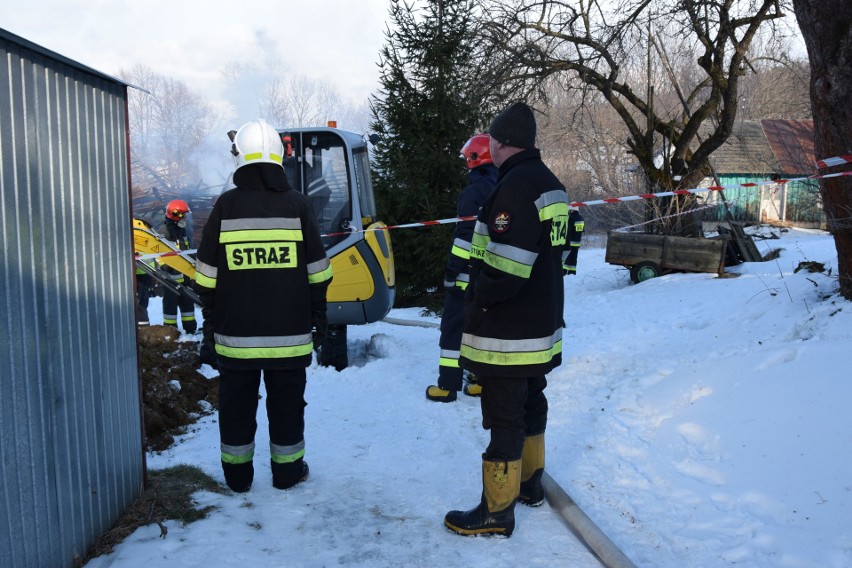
column 337, row 41
column 698, row 421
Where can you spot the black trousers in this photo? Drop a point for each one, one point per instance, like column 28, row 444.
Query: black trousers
column 143, row 294
column 452, row 324
column 143, row 289
column 177, row 306
column 285, row 405
column 512, row 409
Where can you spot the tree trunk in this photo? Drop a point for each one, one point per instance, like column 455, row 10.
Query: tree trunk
column 827, row 29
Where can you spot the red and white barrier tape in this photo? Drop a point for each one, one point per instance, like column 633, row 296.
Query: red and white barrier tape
column 646, row 196
column 828, row 162
column 408, row 225
column 155, row 255
column 664, row 217
column 836, row 161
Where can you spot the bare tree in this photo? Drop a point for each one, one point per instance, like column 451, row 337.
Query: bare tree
column 142, row 108
column 185, row 120
column 169, row 124
column 289, row 100
column 775, row 87
column 583, row 143
column 827, row 29
column 614, row 51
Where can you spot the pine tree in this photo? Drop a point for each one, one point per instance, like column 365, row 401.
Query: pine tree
column 428, row 107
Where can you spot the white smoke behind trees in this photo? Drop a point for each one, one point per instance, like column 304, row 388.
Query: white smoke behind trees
column 179, row 134
column 169, row 125
column 290, row 100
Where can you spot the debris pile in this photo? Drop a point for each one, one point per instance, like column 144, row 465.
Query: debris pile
column 174, row 393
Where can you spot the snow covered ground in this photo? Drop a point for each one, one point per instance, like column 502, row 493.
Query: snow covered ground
column 699, row 421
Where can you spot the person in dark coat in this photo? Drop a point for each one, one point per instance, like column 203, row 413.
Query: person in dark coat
column 513, row 321
column 576, row 226
column 482, row 179
column 262, row 274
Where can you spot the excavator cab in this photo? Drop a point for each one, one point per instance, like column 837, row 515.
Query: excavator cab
column 332, row 168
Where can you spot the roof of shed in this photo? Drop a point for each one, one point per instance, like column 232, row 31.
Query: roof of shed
column 16, row 39
column 764, row 147
column 792, row 142
column 746, row 151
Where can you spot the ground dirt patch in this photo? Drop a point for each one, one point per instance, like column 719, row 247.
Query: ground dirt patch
column 174, row 393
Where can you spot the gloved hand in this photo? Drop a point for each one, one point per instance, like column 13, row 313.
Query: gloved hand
column 450, row 279
column 207, row 352
column 319, row 321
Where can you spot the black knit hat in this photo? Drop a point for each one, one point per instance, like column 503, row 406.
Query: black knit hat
column 515, row 126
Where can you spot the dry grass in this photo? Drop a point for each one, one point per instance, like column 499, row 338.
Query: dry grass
column 167, row 497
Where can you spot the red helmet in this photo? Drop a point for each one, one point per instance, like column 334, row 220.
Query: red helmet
column 476, row 151
column 176, row 209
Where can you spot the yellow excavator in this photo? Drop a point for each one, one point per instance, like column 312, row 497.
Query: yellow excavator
column 332, row 168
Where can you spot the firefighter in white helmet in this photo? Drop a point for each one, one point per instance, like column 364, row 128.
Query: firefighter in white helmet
column 262, row 274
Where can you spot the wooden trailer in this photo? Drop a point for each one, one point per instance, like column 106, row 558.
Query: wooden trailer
column 649, row 256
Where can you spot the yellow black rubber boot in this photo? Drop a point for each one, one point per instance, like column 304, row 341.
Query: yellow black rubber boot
column 532, row 468
column 495, row 515
column 473, row 386
column 436, row 393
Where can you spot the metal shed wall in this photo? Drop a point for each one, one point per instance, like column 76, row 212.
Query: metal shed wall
column 71, row 449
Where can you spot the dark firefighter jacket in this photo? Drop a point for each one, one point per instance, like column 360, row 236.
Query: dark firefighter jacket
column 513, row 306
column 179, row 236
column 481, row 183
column 262, row 272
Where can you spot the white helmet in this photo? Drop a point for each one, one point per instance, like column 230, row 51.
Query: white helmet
column 256, row 142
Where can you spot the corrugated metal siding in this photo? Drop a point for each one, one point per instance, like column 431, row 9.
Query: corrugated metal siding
column 69, row 395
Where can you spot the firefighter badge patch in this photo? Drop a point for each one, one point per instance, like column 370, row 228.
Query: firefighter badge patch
column 502, row 222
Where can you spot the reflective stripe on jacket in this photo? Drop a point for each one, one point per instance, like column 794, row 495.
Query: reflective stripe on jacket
column 481, row 183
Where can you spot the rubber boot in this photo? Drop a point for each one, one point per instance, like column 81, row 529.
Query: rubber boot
column 473, row 386
column 286, row 475
column 238, row 476
column 532, row 468
column 495, row 514
column 438, row 394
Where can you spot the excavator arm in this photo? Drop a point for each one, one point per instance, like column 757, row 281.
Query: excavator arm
column 147, row 241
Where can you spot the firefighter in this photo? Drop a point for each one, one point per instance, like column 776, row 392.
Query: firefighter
column 482, row 179
column 576, row 226
column 175, row 230
column 513, row 320
column 143, row 290
column 143, row 294
column 262, row 274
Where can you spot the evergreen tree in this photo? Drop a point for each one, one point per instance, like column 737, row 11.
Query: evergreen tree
column 429, row 105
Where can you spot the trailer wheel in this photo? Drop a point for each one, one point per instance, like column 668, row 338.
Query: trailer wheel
column 645, row 270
